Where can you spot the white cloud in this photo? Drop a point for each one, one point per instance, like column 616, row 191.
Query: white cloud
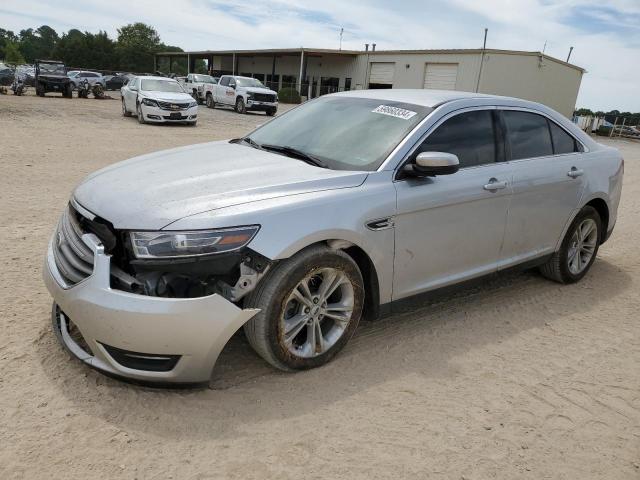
column 605, row 36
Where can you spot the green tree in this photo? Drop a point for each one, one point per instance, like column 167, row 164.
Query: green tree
column 583, row 112
column 12, row 54
column 135, row 47
column 39, row 43
column 6, row 36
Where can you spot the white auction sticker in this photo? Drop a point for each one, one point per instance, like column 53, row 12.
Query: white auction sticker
column 394, row 112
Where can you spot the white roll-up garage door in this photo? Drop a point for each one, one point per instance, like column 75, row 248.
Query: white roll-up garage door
column 382, row 73
column 441, row 76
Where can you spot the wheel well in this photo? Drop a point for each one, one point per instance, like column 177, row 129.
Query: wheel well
column 603, row 210
column 371, row 309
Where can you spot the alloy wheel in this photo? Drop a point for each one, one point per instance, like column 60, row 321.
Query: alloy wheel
column 317, row 312
column 582, row 246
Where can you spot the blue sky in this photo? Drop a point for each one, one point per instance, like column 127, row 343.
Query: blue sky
column 605, row 35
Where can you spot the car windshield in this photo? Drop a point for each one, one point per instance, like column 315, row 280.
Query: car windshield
column 345, row 133
column 204, row 79
column 52, row 68
column 248, row 82
column 154, row 85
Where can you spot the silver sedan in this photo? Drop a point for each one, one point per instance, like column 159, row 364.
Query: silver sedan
column 340, row 209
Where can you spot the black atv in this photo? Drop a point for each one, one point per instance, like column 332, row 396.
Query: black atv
column 51, row 76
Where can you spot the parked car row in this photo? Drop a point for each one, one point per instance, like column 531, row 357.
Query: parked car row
column 155, row 99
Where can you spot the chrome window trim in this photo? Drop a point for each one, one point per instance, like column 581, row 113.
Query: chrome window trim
column 551, row 119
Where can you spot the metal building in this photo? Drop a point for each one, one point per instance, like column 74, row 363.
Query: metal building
column 313, row 72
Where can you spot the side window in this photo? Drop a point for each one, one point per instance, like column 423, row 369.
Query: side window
column 470, row 136
column 562, row 141
column 527, row 134
column 224, row 81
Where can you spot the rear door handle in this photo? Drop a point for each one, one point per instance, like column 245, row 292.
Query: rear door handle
column 575, row 173
column 494, row 184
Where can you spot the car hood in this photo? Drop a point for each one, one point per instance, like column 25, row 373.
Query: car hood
column 152, row 191
column 259, row 90
column 167, row 96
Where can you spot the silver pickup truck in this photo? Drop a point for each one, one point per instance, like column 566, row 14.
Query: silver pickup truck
column 243, row 94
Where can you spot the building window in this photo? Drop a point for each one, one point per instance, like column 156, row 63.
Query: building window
column 347, row 84
column 328, row 85
column 259, row 76
column 289, row 81
column 245, row 75
column 273, row 82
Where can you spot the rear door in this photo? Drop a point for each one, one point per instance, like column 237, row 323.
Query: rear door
column 130, row 94
column 547, row 184
column 450, row 228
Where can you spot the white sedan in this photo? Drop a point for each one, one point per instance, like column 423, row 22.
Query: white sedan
column 158, row 100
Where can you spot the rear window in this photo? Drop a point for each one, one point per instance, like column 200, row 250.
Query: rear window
column 562, row 141
column 527, row 134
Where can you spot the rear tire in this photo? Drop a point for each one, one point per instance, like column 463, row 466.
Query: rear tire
column 210, row 102
column 578, row 249
column 125, row 112
column 240, row 107
column 314, row 337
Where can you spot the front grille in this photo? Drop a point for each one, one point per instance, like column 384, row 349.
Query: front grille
column 264, row 97
column 170, row 106
column 73, row 257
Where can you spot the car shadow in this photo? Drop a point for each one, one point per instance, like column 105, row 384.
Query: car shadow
column 426, row 342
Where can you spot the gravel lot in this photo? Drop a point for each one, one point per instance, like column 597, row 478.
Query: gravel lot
column 520, row 378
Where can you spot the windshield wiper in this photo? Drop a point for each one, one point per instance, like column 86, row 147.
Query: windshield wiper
column 247, row 140
column 295, row 153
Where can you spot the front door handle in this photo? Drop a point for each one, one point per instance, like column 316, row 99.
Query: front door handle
column 575, row 173
column 494, row 184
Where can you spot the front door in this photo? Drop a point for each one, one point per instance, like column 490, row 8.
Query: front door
column 450, row 228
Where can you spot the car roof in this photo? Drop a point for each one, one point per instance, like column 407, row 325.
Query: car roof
column 417, row 96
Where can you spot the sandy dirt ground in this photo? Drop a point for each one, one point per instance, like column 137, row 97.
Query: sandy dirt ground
column 519, row 378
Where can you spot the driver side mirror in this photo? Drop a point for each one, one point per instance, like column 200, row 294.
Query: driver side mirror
column 232, row 85
column 430, row 164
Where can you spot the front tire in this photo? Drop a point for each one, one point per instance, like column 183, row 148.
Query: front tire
column 310, row 306
column 271, row 112
column 578, row 249
column 140, row 114
column 240, row 106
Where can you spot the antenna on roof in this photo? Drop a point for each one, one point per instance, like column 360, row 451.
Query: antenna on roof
column 569, row 56
column 545, row 47
column 341, row 32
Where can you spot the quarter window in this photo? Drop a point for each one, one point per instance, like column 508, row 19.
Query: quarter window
column 470, row 136
column 528, row 134
column 224, row 81
column 562, row 141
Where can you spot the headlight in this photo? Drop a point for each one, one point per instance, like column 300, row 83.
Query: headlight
column 193, row 104
column 149, row 103
column 192, row 243
column 249, row 94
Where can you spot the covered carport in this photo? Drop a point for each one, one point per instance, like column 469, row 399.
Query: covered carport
column 312, row 72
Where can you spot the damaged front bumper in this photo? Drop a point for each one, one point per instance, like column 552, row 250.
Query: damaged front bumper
column 144, row 338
